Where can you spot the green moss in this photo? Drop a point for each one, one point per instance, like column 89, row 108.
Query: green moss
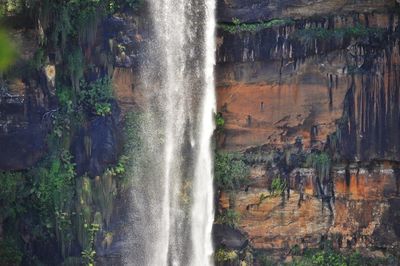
column 8, row 52
column 236, row 26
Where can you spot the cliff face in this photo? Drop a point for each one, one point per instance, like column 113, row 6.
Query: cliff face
column 309, row 94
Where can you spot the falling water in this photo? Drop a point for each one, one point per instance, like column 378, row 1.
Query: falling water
column 172, row 191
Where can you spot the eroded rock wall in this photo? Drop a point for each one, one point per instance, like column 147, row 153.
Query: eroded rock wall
column 297, row 78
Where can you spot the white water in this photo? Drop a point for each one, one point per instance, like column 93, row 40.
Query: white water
column 172, row 195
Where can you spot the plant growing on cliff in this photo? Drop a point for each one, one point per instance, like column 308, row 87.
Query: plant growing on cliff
column 230, row 171
column 95, row 96
column 277, row 187
column 223, row 256
column 237, row 26
column 10, row 254
column 12, row 194
column 75, row 67
column 220, row 122
column 89, row 254
column 228, row 217
column 308, row 36
column 321, row 163
column 102, row 109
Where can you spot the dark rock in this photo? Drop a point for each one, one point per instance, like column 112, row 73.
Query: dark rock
column 21, row 149
column 227, row 237
column 256, row 10
column 23, row 126
column 96, row 145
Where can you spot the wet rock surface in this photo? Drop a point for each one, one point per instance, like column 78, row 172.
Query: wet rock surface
column 284, row 91
column 98, row 144
column 256, row 10
column 306, row 87
column 359, row 213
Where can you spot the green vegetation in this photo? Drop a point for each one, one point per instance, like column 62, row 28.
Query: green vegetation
column 95, row 96
column 89, row 254
column 265, row 261
column 10, row 254
column 307, row 36
column 7, row 51
column 12, row 195
column 11, row 6
column 230, row 171
column 45, row 195
column 228, row 217
column 39, row 59
column 329, row 257
column 225, row 256
column 237, row 26
column 57, row 207
column 220, row 122
column 75, row 67
column 321, row 162
column 277, row 186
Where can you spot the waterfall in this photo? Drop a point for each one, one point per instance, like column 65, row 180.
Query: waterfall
column 171, row 213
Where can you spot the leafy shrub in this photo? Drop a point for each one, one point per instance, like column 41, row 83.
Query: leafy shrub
column 65, row 98
column 54, row 180
column 102, row 109
column 324, row 258
column 230, row 171
column 330, row 257
column 95, row 96
column 223, row 255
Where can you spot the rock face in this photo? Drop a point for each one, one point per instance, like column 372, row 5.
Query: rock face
column 296, row 77
column 256, row 10
column 293, row 77
column 290, row 81
column 360, row 216
column 25, row 104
